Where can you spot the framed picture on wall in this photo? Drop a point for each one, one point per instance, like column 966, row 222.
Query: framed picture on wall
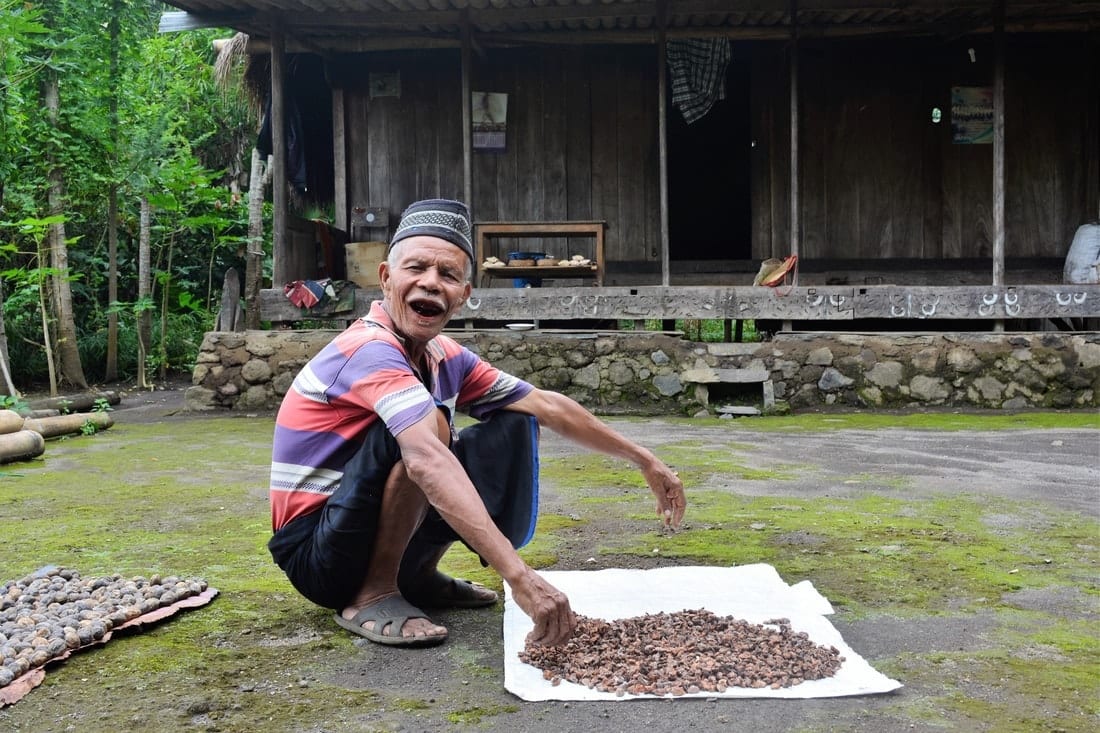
column 490, row 120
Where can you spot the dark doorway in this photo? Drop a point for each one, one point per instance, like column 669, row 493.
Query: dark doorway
column 709, row 171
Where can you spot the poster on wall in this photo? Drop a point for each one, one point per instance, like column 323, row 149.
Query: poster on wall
column 972, row 115
column 490, row 118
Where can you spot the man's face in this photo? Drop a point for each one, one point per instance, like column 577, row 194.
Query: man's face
column 425, row 286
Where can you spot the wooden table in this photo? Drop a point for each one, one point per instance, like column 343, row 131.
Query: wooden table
column 488, row 229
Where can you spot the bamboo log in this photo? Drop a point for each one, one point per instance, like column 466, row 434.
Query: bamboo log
column 21, row 445
column 10, row 422
column 51, row 427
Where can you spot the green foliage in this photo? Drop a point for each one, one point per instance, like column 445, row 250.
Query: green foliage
column 710, row 331
column 139, row 114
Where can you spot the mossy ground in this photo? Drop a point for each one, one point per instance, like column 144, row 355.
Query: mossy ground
column 188, row 498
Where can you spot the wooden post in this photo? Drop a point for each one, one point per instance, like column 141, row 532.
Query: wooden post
column 796, row 219
column 280, row 197
column 999, row 150
column 662, row 133
column 340, row 163
column 999, row 144
column 467, row 120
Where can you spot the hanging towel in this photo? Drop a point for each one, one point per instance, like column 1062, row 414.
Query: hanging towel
column 698, row 70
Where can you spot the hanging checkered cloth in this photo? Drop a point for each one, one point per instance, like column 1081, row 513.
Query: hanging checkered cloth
column 698, row 69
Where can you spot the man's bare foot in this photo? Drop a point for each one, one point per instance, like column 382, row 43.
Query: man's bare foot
column 393, row 621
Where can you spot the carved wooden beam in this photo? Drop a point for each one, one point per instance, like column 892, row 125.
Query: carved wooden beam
column 828, row 303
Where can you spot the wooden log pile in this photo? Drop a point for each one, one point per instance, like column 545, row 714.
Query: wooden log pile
column 24, row 437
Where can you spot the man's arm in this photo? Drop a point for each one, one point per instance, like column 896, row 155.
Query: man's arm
column 568, row 418
column 438, row 473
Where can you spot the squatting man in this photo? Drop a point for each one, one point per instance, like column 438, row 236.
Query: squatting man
column 370, row 481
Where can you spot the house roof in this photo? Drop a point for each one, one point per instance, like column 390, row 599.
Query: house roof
column 361, row 25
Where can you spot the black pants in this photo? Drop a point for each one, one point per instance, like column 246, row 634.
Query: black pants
column 325, row 554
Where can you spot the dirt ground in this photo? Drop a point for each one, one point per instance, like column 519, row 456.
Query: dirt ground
column 1055, row 470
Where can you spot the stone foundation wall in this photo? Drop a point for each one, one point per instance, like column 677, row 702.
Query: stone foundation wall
column 640, row 373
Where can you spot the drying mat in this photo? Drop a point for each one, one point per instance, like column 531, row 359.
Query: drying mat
column 31, row 604
column 753, row 593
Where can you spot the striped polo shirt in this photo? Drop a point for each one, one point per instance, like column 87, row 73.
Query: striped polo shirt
column 361, row 376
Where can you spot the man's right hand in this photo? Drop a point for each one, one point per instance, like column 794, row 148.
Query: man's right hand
column 548, row 608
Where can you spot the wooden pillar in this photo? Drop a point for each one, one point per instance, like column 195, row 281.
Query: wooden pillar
column 467, row 120
column 340, row 163
column 280, row 197
column 662, row 134
column 999, row 144
column 796, row 218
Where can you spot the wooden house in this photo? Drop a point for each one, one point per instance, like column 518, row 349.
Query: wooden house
column 922, row 159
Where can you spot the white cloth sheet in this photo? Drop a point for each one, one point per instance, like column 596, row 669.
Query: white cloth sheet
column 754, row 593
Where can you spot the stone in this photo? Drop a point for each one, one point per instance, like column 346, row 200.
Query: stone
column 886, row 374
column 588, row 376
column 1088, row 355
column 254, row 398
column 769, row 394
column 1049, row 366
column 871, row 396
column 281, row 383
column 256, row 371
column 963, row 360
column 732, row 348
column 699, row 376
column 928, row 389
column 576, row 358
column 1016, row 403
column 620, row 373
column 741, row 376
column 659, row 358
column 820, row 357
column 199, row 399
column 668, row 384
column 990, row 388
column 832, row 380
column 260, row 347
column 926, row 360
column 737, row 410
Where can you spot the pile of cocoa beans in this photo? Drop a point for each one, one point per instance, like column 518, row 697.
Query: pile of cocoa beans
column 681, row 653
column 44, row 615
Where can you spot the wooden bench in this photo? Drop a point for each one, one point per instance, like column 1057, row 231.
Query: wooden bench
column 489, row 229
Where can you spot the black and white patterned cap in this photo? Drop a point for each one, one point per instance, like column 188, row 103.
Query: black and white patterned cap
column 442, row 218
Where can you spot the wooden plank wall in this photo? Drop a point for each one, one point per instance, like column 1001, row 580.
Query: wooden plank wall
column 581, row 141
column 401, row 149
column 880, row 180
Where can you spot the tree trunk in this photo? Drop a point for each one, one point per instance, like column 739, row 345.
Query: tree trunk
column 68, row 353
column 254, row 260
column 110, row 368
column 144, row 314
column 7, row 388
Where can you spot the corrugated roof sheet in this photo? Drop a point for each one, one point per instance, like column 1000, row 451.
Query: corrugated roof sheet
column 349, row 25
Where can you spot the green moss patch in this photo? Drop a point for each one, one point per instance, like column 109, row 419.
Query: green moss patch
column 890, row 554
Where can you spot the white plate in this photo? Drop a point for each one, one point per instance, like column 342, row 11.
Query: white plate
column 520, row 326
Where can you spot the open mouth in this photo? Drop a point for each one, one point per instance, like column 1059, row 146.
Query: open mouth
column 426, row 308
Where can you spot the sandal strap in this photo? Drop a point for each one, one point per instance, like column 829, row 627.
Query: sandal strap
column 389, row 615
